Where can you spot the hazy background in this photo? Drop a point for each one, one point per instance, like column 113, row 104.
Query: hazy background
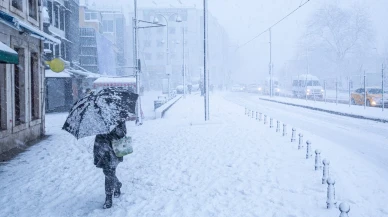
column 244, row 19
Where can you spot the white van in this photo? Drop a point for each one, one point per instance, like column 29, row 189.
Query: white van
column 307, row 86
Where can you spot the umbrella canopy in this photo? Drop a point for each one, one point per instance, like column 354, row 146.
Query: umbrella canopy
column 98, row 112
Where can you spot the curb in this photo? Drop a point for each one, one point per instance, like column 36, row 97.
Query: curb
column 328, row 111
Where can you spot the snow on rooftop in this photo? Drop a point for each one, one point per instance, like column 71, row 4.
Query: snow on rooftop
column 5, row 48
column 115, row 80
column 306, row 77
column 50, row 74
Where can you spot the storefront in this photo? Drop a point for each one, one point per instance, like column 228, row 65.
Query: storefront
column 21, row 78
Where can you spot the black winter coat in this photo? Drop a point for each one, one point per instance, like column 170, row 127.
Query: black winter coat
column 104, row 156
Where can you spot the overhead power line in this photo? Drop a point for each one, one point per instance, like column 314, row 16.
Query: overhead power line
column 266, row 30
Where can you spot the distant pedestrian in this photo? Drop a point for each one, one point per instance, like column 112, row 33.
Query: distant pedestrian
column 105, row 158
column 189, row 87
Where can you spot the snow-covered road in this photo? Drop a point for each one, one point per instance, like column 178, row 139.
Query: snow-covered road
column 182, row 166
column 366, row 138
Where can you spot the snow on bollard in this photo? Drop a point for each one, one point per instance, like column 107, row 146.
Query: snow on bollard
column 318, row 164
column 308, row 153
column 270, row 122
column 257, row 116
column 265, row 119
column 277, row 126
column 300, row 141
column 249, row 112
column 246, row 111
column 260, row 116
column 284, row 129
column 326, row 164
column 253, row 114
column 293, row 135
column 344, row 208
column 330, row 193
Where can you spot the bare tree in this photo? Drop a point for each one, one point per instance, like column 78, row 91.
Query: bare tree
column 338, row 32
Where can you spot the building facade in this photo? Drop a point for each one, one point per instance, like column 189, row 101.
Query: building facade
column 21, row 85
column 182, row 54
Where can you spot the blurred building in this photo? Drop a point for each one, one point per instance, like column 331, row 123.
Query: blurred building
column 21, row 72
column 111, row 24
column 153, row 47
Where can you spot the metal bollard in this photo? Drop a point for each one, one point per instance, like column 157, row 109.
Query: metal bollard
column 260, row 116
column 253, row 114
column 344, row 209
column 249, row 112
column 246, row 111
column 330, row 202
column 277, row 126
column 318, row 164
column 300, row 141
column 308, row 154
column 270, row 122
column 284, row 129
column 257, row 115
column 265, row 119
column 293, row 135
column 326, row 170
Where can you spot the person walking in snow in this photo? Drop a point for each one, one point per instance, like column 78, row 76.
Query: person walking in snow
column 105, row 158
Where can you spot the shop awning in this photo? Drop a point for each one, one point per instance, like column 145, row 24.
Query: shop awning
column 25, row 27
column 8, row 55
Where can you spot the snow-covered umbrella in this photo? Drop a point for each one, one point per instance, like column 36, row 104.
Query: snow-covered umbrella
column 97, row 113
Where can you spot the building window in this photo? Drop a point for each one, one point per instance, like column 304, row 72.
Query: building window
column 160, row 56
column 3, row 97
column 62, row 19
column 171, row 30
column 160, row 43
column 91, row 16
column 19, row 92
column 34, row 73
column 63, row 50
column 107, row 25
column 50, row 11
column 56, row 16
column 32, row 9
column 56, row 50
column 147, row 43
column 159, row 30
column 18, row 4
column 173, row 55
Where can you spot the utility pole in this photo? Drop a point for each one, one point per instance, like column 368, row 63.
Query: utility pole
column 270, row 63
column 136, row 65
column 382, row 85
column 183, row 65
column 205, row 73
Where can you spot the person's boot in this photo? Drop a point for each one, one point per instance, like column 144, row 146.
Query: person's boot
column 108, row 201
column 117, row 191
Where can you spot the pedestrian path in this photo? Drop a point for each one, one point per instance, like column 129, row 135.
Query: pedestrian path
column 181, row 166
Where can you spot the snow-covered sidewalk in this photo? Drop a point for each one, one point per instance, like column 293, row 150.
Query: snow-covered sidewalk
column 353, row 110
column 182, row 166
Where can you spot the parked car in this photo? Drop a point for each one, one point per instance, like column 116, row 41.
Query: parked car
column 179, row 89
column 307, row 86
column 238, row 88
column 374, row 97
column 254, row 88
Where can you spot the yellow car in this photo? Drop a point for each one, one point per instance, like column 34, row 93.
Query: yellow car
column 374, row 97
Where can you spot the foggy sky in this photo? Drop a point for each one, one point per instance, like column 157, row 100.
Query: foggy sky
column 244, row 19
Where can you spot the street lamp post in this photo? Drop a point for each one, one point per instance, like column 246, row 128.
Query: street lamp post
column 168, row 71
column 183, row 63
